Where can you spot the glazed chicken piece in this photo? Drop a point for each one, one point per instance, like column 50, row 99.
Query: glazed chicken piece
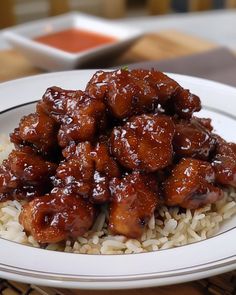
column 224, row 162
column 123, row 92
column 55, row 100
column 192, row 139
column 105, row 169
column 77, row 171
column 144, row 142
column 57, row 217
column 104, row 163
column 79, row 115
column 100, row 189
column 39, row 131
column 83, row 121
column 133, row 203
column 127, row 93
column 88, row 170
column 161, row 85
column 185, row 103
column 30, row 167
column 181, row 100
column 8, row 182
column 88, row 120
column 191, row 185
column 25, row 175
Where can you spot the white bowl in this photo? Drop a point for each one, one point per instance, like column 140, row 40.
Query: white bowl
column 53, row 59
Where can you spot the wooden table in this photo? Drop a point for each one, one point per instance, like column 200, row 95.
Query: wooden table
column 164, row 45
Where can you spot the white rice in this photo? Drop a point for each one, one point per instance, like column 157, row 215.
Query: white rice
column 168, row 228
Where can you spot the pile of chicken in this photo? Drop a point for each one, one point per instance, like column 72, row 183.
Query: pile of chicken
column 129, row 141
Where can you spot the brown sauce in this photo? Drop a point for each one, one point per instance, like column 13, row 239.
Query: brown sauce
column 75, row 40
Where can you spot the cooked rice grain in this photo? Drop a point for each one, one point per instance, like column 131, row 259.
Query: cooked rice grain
column 177, row 229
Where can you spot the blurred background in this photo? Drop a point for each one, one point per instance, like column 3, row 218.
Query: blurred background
column 174, row 31
column 19, row 11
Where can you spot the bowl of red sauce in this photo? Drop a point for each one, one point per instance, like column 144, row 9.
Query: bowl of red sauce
column 71, row 41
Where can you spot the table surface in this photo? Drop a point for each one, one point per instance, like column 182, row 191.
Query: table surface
column 164, row 45
column 217, row 26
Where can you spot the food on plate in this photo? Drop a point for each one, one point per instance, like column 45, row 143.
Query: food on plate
column 144, row 143
column 123, row 164
column 224, row 162
column 57, row 217
column 191, row 184
column 134, row 200
column 192, row 139
column 25, row 174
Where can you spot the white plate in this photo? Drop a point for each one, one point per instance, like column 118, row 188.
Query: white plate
column 210, row 257
column 53, row 59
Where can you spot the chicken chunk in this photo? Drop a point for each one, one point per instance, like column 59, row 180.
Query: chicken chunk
column 55, row 101
column 192, row 139
column 104, row 163
column 30, row 167
column 25, row 175
column 8, row 182
column 84, row 118
column 88, row 170
column 57, row 217
column 39, row 131
column 224, row 162
column 100, row 189
column 78, row 171
column 144, row 143
column 121, row 92
column 185, row 103
column 191, row 185
column 133, row 203
column 80, row 116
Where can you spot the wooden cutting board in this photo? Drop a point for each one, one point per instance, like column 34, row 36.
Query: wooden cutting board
column 164, row 45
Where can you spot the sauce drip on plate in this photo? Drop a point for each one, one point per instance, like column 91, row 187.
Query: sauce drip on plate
column 75, row 40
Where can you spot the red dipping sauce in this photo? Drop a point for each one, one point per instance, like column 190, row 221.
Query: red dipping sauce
column 75, row 40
